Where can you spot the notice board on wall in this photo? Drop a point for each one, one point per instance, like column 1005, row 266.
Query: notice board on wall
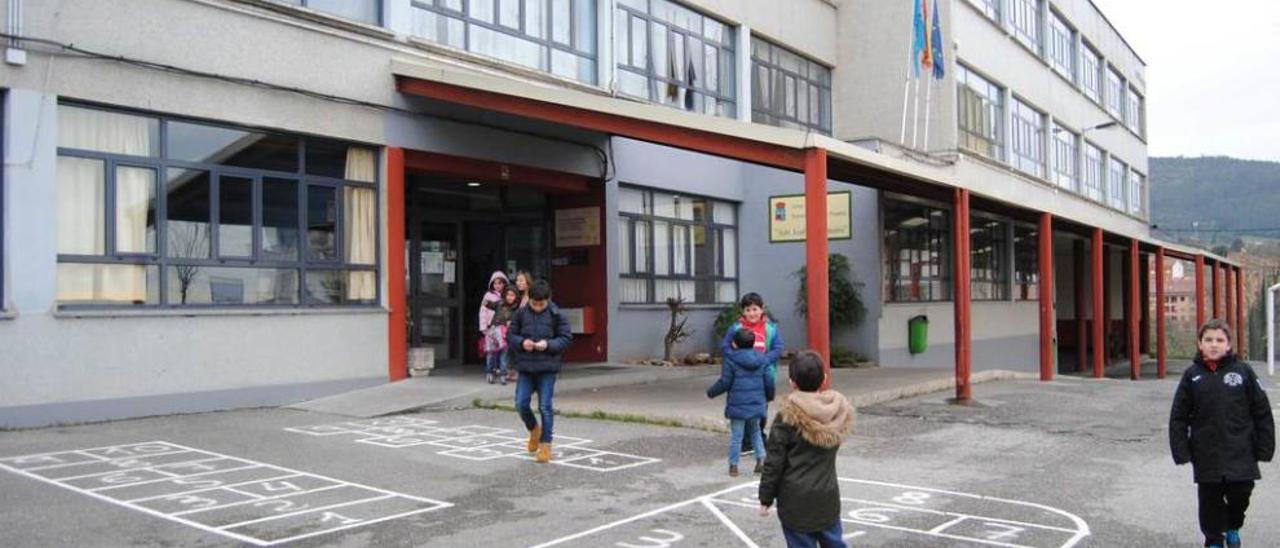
column 577, row 226
column 787, row 217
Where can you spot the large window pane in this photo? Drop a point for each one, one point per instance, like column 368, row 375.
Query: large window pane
column 360, row 227
column 917, row 252
column 197, row 285
column 804, row 86
column 333, row 287
column 1028, row 139
column 988, row 260
column 235, row 216
column 1026, row 260
column 114, row 284
column 661, row 248
column 280, row 219
column 207, row 144
column 980, row 111
column 81, row 206
column 322, row 217
column 106, row 131
column 135, row 210
column 671, row 57
column 187, row 226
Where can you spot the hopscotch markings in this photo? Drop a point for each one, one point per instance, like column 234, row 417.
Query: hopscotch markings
column 473, row 442
column 908, row 513
column 249, row 501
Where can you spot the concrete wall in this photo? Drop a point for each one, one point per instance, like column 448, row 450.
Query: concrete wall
column 1006, row 335
column 636, row 330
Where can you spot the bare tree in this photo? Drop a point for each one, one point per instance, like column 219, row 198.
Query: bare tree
column 187, row 240
column 677, row 331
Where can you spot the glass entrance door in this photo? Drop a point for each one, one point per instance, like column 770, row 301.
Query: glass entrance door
column 435, row 296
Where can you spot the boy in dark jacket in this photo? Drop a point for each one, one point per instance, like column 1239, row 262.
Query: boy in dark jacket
column 800, row 472
column 1221, row 423
column 539, row 335
column 750, row 388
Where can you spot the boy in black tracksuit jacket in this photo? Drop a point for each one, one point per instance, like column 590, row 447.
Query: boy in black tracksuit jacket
column 1221, row 423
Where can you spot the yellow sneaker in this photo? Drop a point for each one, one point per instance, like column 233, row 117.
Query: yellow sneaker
column 544, row 452
column 535, row 437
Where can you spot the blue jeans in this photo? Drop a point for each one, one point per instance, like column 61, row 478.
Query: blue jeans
column 736, row 431
column 831, row 537
column 496, row 363
column 545, row 385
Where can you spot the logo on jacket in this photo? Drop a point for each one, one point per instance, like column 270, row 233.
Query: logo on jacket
column 1233, row 379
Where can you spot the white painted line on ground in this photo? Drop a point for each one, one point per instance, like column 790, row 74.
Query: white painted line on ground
column 158, row 480
column 737, row 531
column 639, row 517
column 259, row 499
column 879, row 504
column 172, row 448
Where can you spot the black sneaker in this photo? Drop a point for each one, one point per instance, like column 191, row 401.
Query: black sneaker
column 759, row 467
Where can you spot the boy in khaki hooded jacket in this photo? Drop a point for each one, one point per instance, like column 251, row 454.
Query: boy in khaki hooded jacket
column 800, row 470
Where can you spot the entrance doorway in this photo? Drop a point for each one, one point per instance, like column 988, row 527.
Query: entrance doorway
column 457, row 234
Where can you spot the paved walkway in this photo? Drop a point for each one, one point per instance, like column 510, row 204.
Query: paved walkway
column 683, row 401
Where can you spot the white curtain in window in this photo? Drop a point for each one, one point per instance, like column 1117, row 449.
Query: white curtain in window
column 135, row 190
column 105, row 131
column 81, row 206
column 100, row 283
column 360, row 240
column 362, row 165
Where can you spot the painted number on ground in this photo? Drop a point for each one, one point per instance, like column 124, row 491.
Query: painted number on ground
column 239, row 498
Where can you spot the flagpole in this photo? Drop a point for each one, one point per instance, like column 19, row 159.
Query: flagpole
column 906, row 86
column 928, row 93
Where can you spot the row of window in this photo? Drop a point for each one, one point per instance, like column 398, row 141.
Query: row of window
column 1003, row 257
column 664, row 52
column 1071, row 56
column 157, row 211
column 1090, row 173
column 676, row 246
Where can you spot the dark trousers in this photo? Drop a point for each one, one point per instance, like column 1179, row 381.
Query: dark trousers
column 545, row 385
column 1222, row 507
column 831, row 537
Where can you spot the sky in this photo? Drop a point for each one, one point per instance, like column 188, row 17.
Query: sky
column 1213, row 74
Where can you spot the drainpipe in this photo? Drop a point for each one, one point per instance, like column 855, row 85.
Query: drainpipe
column 14, row 54
column 1271, row 329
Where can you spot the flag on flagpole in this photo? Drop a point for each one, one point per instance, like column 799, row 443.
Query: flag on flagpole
column 926, row 57
column 935, row 42
column 918, row 46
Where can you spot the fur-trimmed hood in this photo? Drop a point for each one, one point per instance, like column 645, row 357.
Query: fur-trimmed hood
column 822, row 418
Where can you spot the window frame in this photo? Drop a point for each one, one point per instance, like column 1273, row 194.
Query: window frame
column 1024, row 18
column 936, row 240
column 1136, row 184
column 547, row 42
column 1117, row 189
column 1091, row 71
column 993, row 106
column 988, row 8
column 997, row 262
column 726, row 102
column 1026, row 128
column 1025, row 288
column 760, row 112
column 1117, row 95
column 163, row 260
column 1065, row 154
column 1134, row 107
column 1094, row 190
column 1062, row 34
column 649, row 218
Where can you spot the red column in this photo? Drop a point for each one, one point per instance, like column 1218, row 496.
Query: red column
column 1135, row 358
column 1241, row 336
column 1228, row 295
column 1106, row 305
column 960, row 237
column 1160, row 365
column 1047, row 365
column 1082, row 335
column 397, row 341
column 1098, row 346
column 1199, row 291
column 1217, row 291
column 815, row 246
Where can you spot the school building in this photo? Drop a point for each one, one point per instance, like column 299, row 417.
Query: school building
column 209, row 204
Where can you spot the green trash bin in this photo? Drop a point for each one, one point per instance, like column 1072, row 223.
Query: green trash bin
column 918, row 334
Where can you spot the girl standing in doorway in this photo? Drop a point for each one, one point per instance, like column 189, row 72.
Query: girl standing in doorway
column 488, row 307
